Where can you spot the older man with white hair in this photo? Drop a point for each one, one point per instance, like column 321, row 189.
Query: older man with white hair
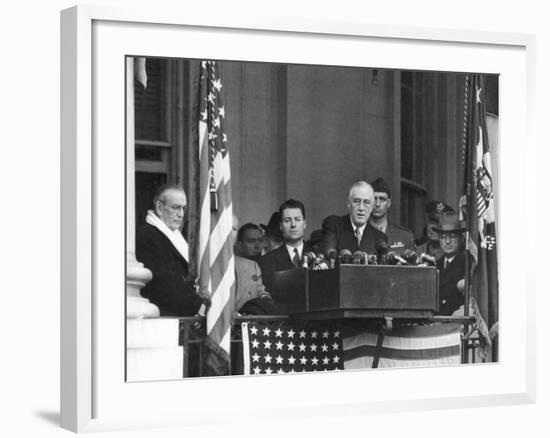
column 161, row 247
column 353, row 231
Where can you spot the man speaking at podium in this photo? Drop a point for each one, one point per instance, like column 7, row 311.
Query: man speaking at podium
column 352, row 231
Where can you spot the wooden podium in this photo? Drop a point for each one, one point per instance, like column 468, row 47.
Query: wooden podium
column 358, row 291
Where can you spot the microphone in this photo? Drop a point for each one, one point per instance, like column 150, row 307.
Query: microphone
column 308, row 259
column 319, row 262
column 427, row 258
column 411, row 257
column 381, row 247
column 393, row 259
column 358, row 257
column 332, row 255
column 345, row 257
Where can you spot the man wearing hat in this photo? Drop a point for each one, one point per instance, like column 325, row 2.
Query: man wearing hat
column 451, row 264
column 273, row 237
column 399, row 238
column 429, row 241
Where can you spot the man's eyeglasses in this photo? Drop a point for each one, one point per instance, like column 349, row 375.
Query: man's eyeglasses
column 359, row 202
column 177, row 208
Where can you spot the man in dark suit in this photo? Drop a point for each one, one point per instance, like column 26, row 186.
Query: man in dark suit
column 289, row 255
column 160, row 246
column 399, row 238
column 451, row 264
column 352, row 231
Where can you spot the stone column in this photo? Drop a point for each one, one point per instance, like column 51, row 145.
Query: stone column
column 152, row 343
column 137, row 275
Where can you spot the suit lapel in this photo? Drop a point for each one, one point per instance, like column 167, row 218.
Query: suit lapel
column 284, row 257
column 348, row 235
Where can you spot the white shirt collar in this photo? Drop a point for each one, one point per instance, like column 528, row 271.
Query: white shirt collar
column 361, row 228
column 450, row 259
column 290, row 249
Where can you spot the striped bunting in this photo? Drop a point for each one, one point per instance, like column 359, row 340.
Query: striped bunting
column 406, row 346
column 215, row 253
column 286, row 348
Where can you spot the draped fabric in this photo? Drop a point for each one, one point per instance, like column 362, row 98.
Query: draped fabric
column 281, row 348
column 215, row 262
column 479, row 211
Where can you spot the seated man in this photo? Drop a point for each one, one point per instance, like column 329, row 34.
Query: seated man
column 451, row 264
column 160, row 246
column 399, row 238
column 289, row 255
column 250, row 294
column 250, row 240
column 353, row 231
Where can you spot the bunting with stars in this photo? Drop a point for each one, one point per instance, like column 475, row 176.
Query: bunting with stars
column 215, row 253
column 282, row 348
column 480, row 212
column 286, row 348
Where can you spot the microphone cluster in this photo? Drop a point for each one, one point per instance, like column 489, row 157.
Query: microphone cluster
column 408, row 257
column 358, row 257
column 315, row 262
column 383, row 256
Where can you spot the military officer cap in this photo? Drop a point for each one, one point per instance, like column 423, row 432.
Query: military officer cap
column 434, row 209
column 380, row 185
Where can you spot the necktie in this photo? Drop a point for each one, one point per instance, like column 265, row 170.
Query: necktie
column 296, row 258
column 358, row 237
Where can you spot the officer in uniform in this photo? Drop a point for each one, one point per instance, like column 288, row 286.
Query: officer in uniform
column 399, row 238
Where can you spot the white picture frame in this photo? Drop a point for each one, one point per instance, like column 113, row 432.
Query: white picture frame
column 93, row 39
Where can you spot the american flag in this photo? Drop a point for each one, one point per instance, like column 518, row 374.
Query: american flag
column 285, row 348
column 215, row 252
column 406, row 345
column 480, row 211
column 281, row 348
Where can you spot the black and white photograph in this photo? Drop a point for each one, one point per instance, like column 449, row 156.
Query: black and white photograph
column 289, row 218
column 311, row 219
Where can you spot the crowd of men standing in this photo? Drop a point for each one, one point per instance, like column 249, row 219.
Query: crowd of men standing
column 262, row 250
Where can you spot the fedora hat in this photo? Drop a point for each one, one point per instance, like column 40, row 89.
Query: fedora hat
column 449, row 222
column 273, row 226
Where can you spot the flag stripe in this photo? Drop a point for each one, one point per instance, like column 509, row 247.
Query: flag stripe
column 413, row 330
column 366, row 362
column 219, row 268
column 403, row 343
column 395, row 353
column 221, row 297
